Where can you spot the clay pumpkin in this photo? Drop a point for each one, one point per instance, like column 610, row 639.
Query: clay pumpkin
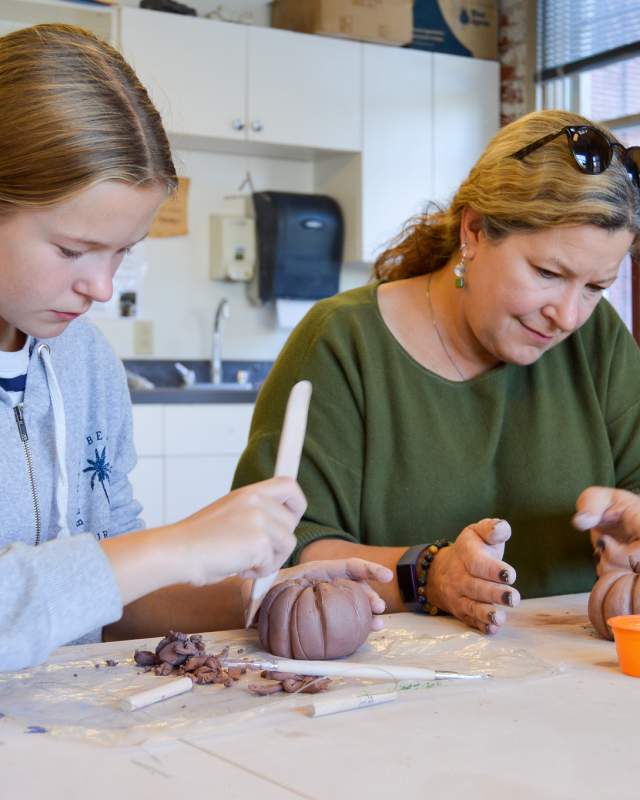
column 314, row 619
column 616, row 592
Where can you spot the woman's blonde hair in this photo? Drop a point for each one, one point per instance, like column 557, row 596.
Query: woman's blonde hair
column 544, row 190
column 74, row 114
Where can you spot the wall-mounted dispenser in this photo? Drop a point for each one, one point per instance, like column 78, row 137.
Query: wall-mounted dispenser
column 232, row 249
column 300, row 238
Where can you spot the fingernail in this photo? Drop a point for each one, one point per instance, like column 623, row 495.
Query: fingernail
column 493, row 618
column 502, row 526
column 507, row 599
column 584, row 521
column 504, row 576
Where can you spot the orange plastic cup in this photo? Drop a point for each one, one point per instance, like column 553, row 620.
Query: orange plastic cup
column 626, row 632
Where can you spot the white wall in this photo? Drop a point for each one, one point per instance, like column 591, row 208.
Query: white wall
column 180, row 299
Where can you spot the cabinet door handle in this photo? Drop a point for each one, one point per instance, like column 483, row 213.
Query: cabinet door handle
column 256, row 125
column 238, row 125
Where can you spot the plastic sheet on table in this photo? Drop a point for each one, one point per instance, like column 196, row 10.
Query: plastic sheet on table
column 460, row 651
column 77, row 695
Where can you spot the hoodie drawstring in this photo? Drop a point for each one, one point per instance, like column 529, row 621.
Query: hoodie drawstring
column 60, row 435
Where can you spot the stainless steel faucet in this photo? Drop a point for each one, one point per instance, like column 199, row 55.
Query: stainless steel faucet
column 222, row 312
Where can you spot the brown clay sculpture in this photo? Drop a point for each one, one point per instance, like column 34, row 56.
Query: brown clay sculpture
column 617, row 590
column 314, row 619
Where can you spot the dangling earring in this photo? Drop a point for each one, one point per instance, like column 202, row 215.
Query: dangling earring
column 460, row 267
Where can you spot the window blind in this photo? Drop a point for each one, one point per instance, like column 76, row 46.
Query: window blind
column 576, row 35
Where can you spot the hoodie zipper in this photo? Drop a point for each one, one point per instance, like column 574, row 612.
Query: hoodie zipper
column 24, row 438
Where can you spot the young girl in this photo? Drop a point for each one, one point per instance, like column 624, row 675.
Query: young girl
column 84, row 166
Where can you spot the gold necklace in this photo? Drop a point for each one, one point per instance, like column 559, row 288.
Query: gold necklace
column 435, row 325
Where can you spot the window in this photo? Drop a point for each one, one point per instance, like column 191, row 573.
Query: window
column 588, row 61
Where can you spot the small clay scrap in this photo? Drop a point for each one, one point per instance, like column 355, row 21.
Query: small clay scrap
column 179, row 654
column 288, row 682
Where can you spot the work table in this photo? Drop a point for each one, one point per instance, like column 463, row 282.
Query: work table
column 561, row 727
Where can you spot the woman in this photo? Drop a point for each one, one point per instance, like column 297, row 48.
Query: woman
column 84, row 166
column 483, row 377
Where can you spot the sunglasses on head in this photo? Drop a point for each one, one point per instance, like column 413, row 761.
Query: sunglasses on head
column 591, row 150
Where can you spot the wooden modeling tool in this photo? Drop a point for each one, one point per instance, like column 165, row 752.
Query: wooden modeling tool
column 287, row 463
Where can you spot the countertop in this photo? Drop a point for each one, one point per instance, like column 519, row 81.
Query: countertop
column 173, row 394
column 557, row 722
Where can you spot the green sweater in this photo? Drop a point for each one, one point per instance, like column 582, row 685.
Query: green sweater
column 396, row 455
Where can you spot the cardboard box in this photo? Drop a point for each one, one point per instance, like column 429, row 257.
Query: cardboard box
column 385, row 21
column 461, row 27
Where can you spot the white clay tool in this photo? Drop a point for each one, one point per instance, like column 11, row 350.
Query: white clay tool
column 287, row 463
column 350, row 669
column 334, row 705
column 162, row 691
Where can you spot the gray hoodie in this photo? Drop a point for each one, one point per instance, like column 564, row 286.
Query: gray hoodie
column 63, row 487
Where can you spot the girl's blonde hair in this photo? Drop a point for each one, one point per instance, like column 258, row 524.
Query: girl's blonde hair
column 74, row 114
column 544, row 190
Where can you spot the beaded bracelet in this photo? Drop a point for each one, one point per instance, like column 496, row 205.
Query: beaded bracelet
column 422, row 569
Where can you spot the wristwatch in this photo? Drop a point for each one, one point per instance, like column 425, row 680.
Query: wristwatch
column 406, row 570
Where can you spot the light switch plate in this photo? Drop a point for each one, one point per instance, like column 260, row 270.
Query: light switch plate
column 143, row 337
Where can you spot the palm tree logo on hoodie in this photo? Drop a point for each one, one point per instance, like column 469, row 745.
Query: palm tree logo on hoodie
column 100, row 469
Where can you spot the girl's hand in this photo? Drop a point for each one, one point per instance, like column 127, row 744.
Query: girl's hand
column 470, row 580
column 248, row 532
column 615, row 512
column 613, row 515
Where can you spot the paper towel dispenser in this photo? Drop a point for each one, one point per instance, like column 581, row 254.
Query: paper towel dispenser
column 300, row 239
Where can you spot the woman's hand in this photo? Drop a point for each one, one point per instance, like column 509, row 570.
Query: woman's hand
column 613, row 516
column 469, row 579
column 248, row 532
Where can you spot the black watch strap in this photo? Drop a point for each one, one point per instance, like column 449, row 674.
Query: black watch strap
column 406, row 570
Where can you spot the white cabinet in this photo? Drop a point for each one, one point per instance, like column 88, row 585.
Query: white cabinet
column 187, row 455
column 466, row 114
column 397, row 141
column 426, row 119
column 147, row 477
column 207, row 429
column 304, row 90
column 195, row 70
column 233, row 82
column 192, row 482
column 147, row 480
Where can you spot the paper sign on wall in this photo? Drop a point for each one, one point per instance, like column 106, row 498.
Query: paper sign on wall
column 171, row 219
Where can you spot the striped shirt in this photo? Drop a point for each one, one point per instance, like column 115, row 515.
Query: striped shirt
column 13, row 372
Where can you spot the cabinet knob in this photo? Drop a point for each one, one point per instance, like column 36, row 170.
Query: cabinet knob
column 256, row 125
column 237, row 125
